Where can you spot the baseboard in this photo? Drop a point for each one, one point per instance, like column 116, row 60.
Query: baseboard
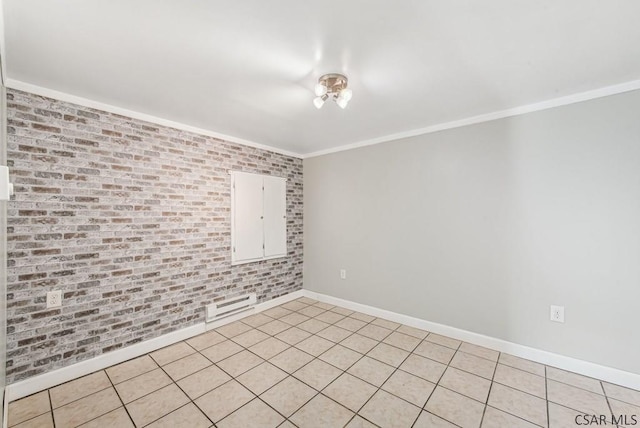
column 608, row 374
column 44, row 381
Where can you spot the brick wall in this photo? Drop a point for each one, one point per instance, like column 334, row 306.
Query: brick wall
column 131, row 220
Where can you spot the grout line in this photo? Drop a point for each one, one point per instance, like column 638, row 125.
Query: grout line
column 493, row 376
column 119, row 398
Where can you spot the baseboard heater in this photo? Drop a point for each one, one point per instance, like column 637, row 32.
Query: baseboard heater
column 230, row 306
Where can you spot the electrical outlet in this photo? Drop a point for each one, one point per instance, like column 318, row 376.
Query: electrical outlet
column 54, row 299
column 557, row 313
column 343, row 274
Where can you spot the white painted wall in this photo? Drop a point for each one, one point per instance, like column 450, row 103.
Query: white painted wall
column 483, row 227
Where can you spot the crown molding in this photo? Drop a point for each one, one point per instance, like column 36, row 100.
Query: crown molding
column 85, row 102
column 487, row 117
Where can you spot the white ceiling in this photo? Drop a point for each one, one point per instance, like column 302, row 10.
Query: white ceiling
column 247, row 68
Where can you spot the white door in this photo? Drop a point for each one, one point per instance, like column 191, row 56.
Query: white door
column 247, row 217
column 275, row 216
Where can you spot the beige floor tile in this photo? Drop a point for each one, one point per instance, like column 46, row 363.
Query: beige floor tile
column 186, row 416
column 342, row 311
column 519, row 379
column 340, row 357
column 78, row 388
column 221, row 351
column 171, row 353
column 261, row 378
column 233, row 329
column 293, row 335
column 205, row 340
column 387, row 410
column 412, row 331
column 494, row 418
column 118, row 418
column 350, row 391
column 388, row 354
column 402, row 341
column 625, row 414
column 620, row 393
column 186, row 366
column 307, row 301
column 277, row 312
column 29, row 407
column 250, row 338
column 456, row 408
column 294, row 305
column 362, row 317
column 42, row 421
column 317, row 374
column 142, row 385
column 240, row 363
column 358, row 422
column 334, row 334
column 575, row 379
column 385, row 323
column 518, row 403
column 269, row 348
column 274, row 327
column 409, row 387
column 321, row 412
column 359, row 343
column 157, row 404
column 291, row 360
column 443, row 340
column 329, row 317
column 288, row 396
column 472, row 364
column 563, row 417
column 479, row 351
column 255, row 414
column 429, row 420
column 87, row 408
column 314, row 345
column 350, row 324
column 374, row 332
column 203, row 381
column 312, row 311
column 576, row 398
column 325, row 306
column 313, row 325
column 436, row 352
column 423, row 367
column 224, row 400
column 467, row 384
column 294, row 318
column 131, row 368
column 522, row 364
column 257, row 320
column 372, row 371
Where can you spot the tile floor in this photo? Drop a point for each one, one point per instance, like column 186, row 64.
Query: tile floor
column 309, row 364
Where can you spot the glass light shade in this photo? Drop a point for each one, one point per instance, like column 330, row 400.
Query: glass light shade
column 342, row 102
column 320, row 89
column 318, row 102
column 346, row 94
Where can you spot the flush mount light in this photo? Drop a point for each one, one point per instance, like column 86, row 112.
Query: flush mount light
column 332, row 86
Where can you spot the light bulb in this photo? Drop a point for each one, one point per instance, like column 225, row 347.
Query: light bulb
column 320, row 89
column 318, row 102
column 346, row 94
column 342, row 102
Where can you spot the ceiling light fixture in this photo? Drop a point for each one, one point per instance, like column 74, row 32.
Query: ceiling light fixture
column 332, row 86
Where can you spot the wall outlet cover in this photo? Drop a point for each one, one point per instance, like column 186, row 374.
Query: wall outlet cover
column 54, row 299
column 557, row 313
column 343, row 274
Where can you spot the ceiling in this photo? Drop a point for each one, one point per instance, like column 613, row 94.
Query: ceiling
column 247, row 68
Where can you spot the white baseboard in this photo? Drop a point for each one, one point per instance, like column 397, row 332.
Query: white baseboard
column 608, row 374
column 44, row 381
